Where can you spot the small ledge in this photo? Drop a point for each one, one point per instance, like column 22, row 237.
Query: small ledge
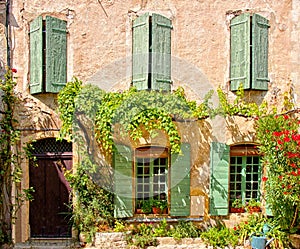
column 158, row 219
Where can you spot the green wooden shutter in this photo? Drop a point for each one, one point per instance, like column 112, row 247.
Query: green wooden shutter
column 180, row 182
column 140, row 52
column 36, row 55
column 161, row 53
column 260, row 27
column 123, row 206
column 240, row 52
column 56, row 54
column 219, row 183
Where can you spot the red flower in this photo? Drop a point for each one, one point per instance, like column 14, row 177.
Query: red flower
column 298, row 172
column 286, row 117
column 234, row 228
column 287, row 139
column 280, row 177
column 277, row 133
column 293, row 165
column 296, row 137
column 279, row 141
column 264, row 179
column 294, row 173
column 285, row 193
column 14, row 70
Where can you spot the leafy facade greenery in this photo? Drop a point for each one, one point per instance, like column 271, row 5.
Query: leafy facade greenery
column 133, row 112
column 11, row 158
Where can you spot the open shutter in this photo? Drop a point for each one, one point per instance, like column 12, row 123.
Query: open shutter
column 140, row 52
column 219, row 170
column 180, row 182
column 161, row 53
column 56, row 54
column 36, row 55
column 260, row 27
column 240, row 52
column 123, row 206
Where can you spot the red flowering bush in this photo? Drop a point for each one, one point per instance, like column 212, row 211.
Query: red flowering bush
column 280, row 146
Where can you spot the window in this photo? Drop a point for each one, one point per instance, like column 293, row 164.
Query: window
column 151, row 173
column 245, row 178
column 48, row 55
column 152, row 178
column 234, row 173
column 151, row 48
column 249, row 52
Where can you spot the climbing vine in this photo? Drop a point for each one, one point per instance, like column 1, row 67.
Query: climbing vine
column 10, row 167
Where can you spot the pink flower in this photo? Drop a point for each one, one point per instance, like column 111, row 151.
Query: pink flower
column 14, row 70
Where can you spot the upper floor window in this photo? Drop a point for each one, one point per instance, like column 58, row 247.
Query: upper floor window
column 151, row 48
column 48, row 55
column 249, row 52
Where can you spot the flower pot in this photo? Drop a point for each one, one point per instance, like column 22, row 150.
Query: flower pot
column 156, row 210
column 237, row 210
column 254, row 209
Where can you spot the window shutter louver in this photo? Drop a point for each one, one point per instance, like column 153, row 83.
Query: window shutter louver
column 123, row 206
column 36, row 55
column 180, row 182
column 219, row 182
column 140, row 52
column 56, row 54
column 260, row 27
column 161, row 53
column 240, row 52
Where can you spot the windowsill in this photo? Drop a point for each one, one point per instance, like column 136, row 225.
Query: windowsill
column 158, row 218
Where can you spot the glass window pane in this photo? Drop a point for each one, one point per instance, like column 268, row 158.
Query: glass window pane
column 255, row 160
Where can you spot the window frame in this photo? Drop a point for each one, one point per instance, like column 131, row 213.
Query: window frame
column 245, row 152
column 150, row 152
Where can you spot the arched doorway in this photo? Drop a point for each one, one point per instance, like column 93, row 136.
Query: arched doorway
column 49, row 212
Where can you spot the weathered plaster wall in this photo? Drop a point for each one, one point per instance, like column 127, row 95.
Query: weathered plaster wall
column 99, row 50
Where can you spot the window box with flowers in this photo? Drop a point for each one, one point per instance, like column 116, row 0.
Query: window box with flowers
column 237, row 206
column 253, row 206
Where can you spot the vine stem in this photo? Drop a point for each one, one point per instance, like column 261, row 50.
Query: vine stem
column 295, row 217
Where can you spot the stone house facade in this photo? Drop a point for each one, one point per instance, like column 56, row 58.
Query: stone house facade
column 196, row 44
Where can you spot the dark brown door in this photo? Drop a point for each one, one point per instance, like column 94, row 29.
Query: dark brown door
column 50, row 210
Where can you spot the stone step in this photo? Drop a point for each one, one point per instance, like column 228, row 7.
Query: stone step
column 45, row 243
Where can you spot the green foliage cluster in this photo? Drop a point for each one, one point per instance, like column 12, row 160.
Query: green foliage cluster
column 132, row 111
column 220, row 237
column 254, row 225
column 145, row 234
column 92, row 205
column 240, row 107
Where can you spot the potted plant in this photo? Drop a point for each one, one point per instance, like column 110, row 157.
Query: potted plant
column 159, row 206
column 146, row 206
column 237, row 206
column 253, row 206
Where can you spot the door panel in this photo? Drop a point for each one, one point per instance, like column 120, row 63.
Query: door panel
column 49, row 211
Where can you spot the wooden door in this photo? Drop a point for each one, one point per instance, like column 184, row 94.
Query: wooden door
column 50, row 210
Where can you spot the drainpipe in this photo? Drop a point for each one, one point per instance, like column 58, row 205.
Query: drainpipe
column 7, row 35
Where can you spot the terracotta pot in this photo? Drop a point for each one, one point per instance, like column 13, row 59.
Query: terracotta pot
column 254, row 209
column 237, row 210
column 156, row 210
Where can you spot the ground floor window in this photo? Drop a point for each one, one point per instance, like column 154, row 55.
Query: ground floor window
column 245, row 174
column 151, row 167
column 151, row 175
